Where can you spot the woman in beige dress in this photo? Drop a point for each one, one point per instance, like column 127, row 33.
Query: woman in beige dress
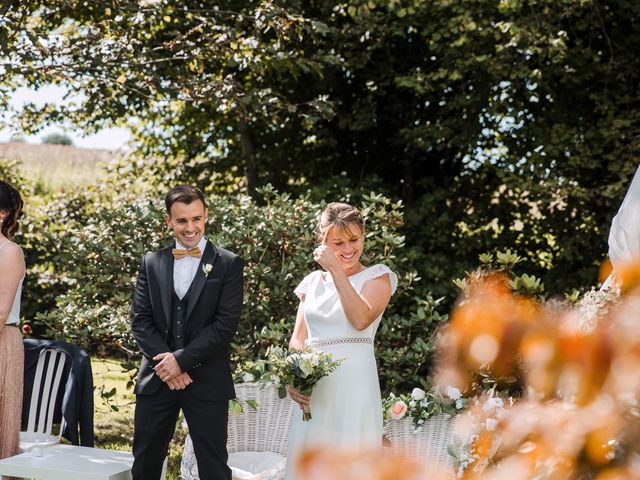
column 12, row 270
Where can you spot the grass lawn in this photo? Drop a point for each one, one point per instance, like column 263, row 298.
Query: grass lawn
column 114, row 429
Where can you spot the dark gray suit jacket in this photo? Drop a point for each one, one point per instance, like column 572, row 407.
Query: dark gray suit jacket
column 213, row 313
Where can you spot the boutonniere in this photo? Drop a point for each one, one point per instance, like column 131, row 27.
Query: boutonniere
column 206, row 269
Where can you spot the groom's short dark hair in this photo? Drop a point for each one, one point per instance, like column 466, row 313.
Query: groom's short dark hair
column 183, row 194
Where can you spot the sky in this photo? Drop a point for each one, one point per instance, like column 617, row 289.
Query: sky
column 109, row 138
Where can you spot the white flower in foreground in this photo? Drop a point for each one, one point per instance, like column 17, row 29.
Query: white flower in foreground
column 453, row 393
column 314, row 359
column 248, row 377
column 493, row 403
column 398, row 410
column 418, row 394
column 491, row 424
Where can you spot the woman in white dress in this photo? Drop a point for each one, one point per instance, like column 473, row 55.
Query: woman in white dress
column 11, row 349
column 340, row 309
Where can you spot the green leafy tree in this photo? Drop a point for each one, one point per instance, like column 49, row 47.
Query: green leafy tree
column 503, row 124
column 57, row 139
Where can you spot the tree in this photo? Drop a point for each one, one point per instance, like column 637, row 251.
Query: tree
column 57, row 139
column 204, row 80
column 504, row 123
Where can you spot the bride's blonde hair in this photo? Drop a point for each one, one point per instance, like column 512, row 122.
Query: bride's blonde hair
column 341, row 216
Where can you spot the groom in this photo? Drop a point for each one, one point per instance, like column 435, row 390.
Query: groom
column 186, row 307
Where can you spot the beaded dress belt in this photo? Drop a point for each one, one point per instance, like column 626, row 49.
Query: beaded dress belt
column 341, row 340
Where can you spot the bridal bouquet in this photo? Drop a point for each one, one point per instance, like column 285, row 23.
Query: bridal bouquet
column 302, row 369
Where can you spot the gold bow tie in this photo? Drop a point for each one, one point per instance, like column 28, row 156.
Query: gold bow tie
column 192, row 252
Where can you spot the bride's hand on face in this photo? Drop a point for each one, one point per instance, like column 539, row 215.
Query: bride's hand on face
column 326, row 258
column 299, row 398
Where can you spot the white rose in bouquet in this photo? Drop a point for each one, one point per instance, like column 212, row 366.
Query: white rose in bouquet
column 418, row 394
column 453, row 393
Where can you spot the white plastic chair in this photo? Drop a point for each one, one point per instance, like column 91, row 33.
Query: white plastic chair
column 264, row 430
column 46, row 386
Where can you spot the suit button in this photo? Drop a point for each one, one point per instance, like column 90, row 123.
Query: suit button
column 179, row 309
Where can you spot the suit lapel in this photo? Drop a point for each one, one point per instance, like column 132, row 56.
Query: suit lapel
column 208, row 258
column 166, row 282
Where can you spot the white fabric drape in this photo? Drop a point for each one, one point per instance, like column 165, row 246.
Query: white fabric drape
column 624, row 235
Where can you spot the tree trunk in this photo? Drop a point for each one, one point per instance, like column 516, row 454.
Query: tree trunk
column 250, row 168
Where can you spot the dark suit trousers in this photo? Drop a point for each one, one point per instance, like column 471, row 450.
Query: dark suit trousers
column 155, row 421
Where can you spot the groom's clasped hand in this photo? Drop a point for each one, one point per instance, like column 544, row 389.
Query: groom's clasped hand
column 168, row 370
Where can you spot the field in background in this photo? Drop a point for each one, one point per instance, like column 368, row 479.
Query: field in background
column 54, row 168
column 114, row 429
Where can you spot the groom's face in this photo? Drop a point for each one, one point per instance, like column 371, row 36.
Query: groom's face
column 187, row 220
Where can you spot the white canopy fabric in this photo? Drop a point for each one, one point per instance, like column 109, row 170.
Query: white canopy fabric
column 624, row 235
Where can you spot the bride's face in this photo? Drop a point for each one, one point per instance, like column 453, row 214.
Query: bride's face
column 346, row 245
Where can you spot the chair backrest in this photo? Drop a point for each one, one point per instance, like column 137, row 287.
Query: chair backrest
column 265, row 428
column 46, row 387
column 428, row 446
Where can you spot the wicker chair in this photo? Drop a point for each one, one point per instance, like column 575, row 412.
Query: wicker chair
column 428, row 446
column 265, row 429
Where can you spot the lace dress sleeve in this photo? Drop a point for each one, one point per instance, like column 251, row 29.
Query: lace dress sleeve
column 301, row 289
column 378, row 270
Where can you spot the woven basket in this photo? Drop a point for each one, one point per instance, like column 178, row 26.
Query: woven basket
column 428, row 446
column 261, row 430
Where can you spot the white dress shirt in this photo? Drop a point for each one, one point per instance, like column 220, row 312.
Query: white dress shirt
column 185, row 269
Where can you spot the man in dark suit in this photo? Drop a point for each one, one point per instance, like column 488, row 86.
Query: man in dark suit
column 186, row 308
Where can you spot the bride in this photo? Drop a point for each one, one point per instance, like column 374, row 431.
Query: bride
column 339, row 312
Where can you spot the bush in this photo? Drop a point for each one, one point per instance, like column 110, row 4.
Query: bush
column 57, row 139
column 95, row 247
column 10, row 173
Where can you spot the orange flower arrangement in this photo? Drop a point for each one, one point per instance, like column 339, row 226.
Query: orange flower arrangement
column 578, row 416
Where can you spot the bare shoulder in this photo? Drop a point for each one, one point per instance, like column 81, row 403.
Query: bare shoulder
column 11, row 249
column 12, row 257
column 378, row 282
column 382, row 275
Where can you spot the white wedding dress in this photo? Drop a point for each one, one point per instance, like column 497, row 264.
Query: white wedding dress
column 345, row 405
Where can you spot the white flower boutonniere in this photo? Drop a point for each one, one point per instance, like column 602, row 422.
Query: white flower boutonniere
column 206, row 269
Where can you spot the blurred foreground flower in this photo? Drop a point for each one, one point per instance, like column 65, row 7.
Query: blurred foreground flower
column 484, row 334
column 329, row 464
column 578, row 416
